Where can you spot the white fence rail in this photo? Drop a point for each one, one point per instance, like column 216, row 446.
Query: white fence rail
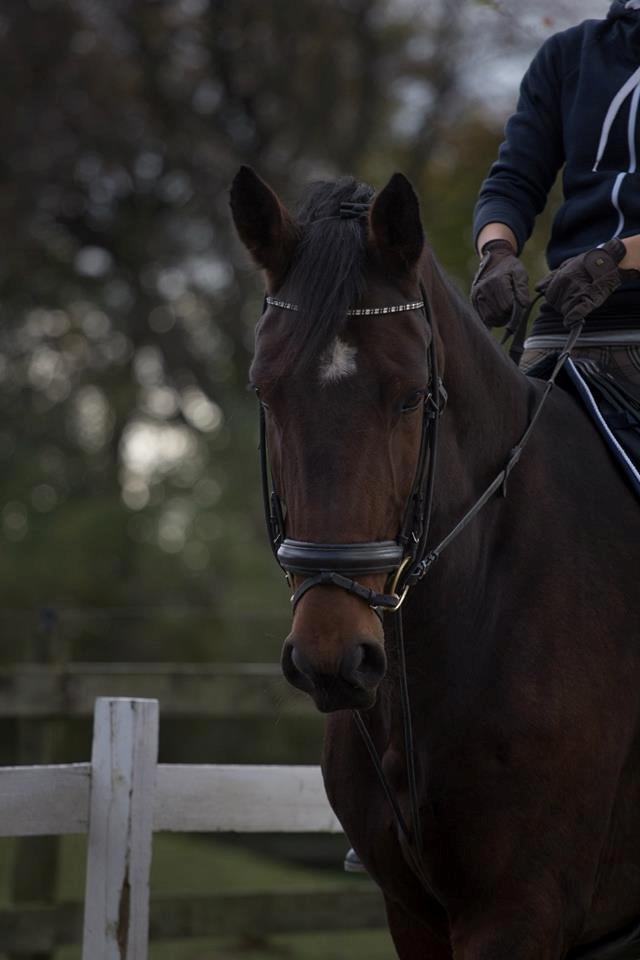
column 124, row 795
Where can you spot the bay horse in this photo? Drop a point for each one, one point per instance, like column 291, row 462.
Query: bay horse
column 522, row 642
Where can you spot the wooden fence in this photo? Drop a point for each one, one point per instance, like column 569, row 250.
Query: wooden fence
column 120, row 799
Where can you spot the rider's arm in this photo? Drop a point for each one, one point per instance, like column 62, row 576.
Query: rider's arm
column 516, row 190
column 496, row 231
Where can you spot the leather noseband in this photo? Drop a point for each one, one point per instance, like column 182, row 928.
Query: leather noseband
column 298, row 556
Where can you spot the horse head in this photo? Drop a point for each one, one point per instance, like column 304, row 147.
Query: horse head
column 341, row 368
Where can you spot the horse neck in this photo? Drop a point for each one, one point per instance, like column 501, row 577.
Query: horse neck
column 488, row 407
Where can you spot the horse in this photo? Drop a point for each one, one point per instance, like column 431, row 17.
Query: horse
column 522, row 643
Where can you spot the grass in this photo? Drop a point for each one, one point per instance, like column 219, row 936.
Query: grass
column 200, row 865
column 320, row 946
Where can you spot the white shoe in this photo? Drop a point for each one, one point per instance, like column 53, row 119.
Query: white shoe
column 353, row 863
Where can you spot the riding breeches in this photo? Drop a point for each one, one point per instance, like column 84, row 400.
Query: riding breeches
column 622, row 361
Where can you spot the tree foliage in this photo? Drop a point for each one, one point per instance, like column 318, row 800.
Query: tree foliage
column 127, row 443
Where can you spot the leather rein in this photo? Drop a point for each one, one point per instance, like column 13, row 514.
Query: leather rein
column 408, row 558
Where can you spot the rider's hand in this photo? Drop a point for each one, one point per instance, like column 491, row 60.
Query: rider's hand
column 501, row 285
column 583, row 283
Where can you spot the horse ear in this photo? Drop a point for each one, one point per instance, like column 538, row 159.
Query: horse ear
column 395, row 226
column 263, row 223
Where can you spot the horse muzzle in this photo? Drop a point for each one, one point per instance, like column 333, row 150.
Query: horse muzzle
column 348, row 682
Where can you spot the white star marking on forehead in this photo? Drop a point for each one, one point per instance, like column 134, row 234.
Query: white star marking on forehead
column 338, row 361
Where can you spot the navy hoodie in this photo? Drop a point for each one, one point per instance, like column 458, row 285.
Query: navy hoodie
column 579, row 107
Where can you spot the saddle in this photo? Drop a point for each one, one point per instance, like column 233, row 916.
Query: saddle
column 613, row 408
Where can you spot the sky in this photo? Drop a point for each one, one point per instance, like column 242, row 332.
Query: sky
column 497, row 72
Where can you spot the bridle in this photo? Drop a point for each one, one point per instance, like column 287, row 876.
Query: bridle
column 406, row 560
column 339, row 564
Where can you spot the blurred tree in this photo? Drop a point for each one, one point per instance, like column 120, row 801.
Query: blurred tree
column 127, row 306
column 129, row 496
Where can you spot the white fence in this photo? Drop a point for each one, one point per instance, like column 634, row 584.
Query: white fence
column 124, row 795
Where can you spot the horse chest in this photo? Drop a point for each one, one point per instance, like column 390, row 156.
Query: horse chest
column 395, row 768
column 355, row 792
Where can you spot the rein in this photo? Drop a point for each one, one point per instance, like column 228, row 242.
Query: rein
column 407, row 559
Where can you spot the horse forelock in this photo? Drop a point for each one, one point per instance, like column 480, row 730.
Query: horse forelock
column 327, row 276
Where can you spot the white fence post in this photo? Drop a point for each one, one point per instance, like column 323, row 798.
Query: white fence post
column 123, row 780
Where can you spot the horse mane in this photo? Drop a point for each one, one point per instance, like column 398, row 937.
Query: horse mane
column 468, row 316
column 459, row 301
column 326, row 277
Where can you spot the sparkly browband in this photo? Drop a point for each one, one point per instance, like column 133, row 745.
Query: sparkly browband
column 357, row 311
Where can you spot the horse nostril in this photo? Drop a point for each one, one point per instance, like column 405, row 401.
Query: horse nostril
column 296, row 668
column 373, row 664
column 364, row 665
column 300, row 662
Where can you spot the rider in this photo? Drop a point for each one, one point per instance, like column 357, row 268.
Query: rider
column 579, row 107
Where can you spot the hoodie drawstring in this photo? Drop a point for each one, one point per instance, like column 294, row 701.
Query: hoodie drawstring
column 614, row 110
column 630, row 88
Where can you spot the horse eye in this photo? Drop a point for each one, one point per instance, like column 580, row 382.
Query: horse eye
column 256, row 390
column 413, row 401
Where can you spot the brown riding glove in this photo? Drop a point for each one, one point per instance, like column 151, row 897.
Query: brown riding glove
column 583, row 283
column 500, row 288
